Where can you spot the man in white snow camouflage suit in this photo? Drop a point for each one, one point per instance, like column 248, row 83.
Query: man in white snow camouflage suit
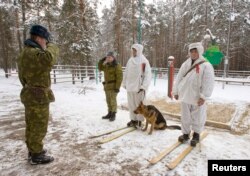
column 193, row 85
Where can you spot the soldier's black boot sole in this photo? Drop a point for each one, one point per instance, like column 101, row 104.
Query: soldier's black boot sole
column 41, row 159
column 195, row 139
column 183, row 138
column 112, row 116
column 43, row 152
column 107, row 116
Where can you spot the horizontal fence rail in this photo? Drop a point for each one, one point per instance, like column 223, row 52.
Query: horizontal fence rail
column 80, row 74
column 74, row 74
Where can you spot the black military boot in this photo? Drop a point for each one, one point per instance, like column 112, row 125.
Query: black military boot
column 112, row 116
column 40, row 159
column 107, row 116
column 195, row 139
column 134, row 123
column 131, row 123
column 183, row 138
column 137, row 124
column 44, row 151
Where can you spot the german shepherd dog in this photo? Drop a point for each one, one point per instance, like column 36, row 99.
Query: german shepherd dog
column 154, row 117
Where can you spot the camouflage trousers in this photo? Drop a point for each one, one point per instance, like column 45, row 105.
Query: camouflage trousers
column 36, row 118
column 111, row 100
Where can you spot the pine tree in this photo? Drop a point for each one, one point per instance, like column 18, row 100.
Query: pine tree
column 76, row 31
column 168, row 27
column 7, row 46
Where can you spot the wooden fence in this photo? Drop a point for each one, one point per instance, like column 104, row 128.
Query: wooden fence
column 79, row 74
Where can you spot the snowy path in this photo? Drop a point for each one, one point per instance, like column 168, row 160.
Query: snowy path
column 75, row 117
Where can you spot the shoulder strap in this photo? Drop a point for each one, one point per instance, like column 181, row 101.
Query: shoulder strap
column 201, row 62
column 143, row 65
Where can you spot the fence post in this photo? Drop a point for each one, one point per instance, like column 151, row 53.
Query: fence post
column 78, row 71
column 73, row 77
column 170, row 75
column 86, row 72
column 54, row 76
column 96, row 72
column 81, row 75
column 155, row 75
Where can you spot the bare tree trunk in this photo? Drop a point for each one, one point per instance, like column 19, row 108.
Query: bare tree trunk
column 155, row 50
column 183, row 38
column 50, row 5
column 206, row 13
column 117, row 44
column 161, row 48
column 82, row 10
column 49, row 22
column 166, row 44
column 173, row 33
column 229, row 40
column 38, row 11
column 4, row 45
column 18, row 28
column 82, row 4
column 133, row 21
column 24, row 19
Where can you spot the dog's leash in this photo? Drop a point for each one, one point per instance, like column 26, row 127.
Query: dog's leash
column 144, row 93
column 139, row 126
column 141, row 90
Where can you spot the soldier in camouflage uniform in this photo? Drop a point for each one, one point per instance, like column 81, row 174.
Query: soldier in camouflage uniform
column 112, row 82
column 34, row 65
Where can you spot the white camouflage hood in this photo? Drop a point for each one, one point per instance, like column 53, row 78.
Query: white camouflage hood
column 139, row 49
column 198, row 46
column 134, row 78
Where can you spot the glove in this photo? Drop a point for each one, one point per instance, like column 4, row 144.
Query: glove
column 176, row 97
column 117, row 90
column 104, row 61
column 141, row 90
column 201, row 102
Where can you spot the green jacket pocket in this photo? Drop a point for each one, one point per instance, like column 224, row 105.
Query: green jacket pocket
column 36, row 95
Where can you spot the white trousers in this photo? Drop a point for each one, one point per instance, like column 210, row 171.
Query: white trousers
column 134, row 100
column 193, row 117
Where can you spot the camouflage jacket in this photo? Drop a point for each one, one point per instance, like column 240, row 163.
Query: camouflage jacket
column 34, row 66
column 112, row 74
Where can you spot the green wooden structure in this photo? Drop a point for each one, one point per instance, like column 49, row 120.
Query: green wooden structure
column 213, row 54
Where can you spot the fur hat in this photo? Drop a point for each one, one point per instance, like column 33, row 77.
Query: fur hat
column 110, row 53
column 40, row 31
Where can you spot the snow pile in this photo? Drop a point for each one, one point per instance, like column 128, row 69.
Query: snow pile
column 75, row 116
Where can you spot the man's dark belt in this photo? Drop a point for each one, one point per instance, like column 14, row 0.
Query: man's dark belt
column 108, row 82
column 36, row 87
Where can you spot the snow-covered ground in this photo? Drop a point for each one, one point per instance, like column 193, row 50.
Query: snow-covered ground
column 75, row 116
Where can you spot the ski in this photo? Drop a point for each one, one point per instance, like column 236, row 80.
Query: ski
column 183, row 154
column 115, row 136
column 109, row 132
column 164, row 153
